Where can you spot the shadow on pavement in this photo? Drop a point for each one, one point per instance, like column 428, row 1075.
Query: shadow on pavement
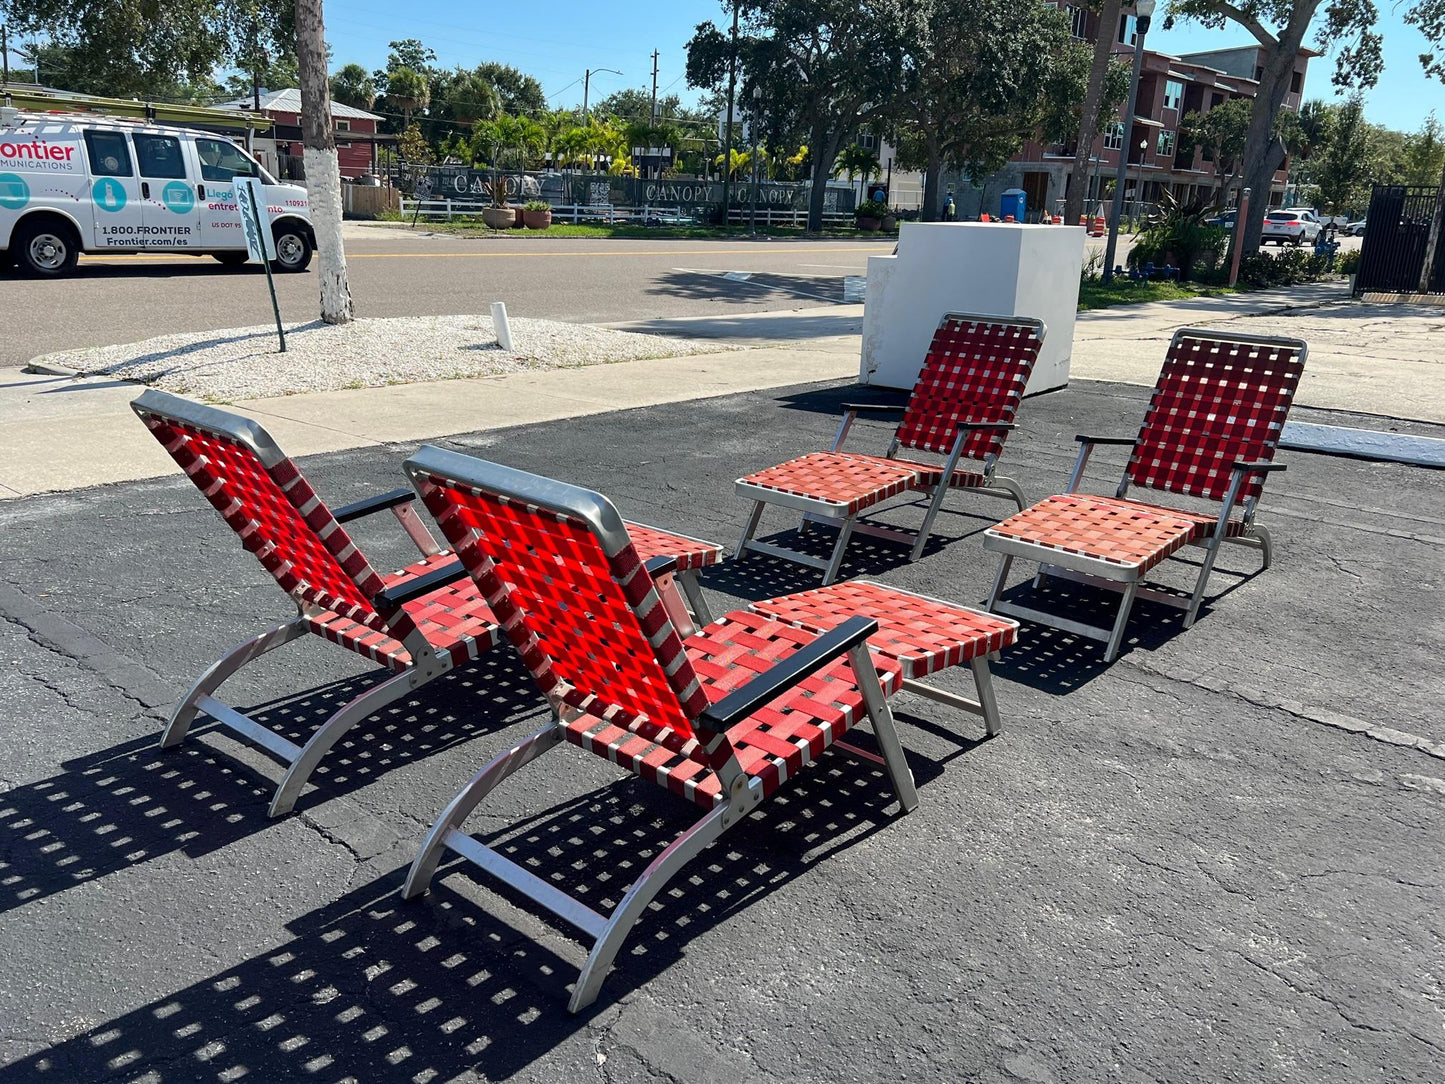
column 135, row 803
column 374, row 988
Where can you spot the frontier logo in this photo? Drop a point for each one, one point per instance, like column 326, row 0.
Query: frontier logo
column 37, row 154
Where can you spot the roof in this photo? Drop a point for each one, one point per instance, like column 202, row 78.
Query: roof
column 289, row 101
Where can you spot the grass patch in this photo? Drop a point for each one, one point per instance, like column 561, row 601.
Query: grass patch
column 1096, row 294
column 462, row 227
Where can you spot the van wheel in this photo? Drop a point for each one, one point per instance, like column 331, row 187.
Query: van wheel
column 232, row 259
column 293, row 249
column 45, row 249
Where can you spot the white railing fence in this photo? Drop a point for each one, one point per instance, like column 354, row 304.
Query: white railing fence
column 448, row 210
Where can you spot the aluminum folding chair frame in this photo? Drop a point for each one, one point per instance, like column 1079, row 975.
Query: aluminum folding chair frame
column 1128, row 581
column 739, row 792
column 821, row 511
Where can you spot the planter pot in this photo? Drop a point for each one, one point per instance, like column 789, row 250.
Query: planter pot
column 869, row 225
column 537, row 220
column 498, row 218
column 890, row 224
column 517, row 222
column 1352, row 284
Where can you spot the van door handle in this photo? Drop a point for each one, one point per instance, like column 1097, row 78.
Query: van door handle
column 201, row 191
column 145, row 190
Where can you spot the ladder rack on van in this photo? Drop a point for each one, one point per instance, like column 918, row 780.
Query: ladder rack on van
column 36, row 100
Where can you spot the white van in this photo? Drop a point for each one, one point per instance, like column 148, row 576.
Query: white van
column 73, row 183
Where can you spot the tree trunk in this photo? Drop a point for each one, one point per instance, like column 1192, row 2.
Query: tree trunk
column 323, row 172
column 1262, row 151
column 822, row 170
column 932, row 182
column 1093, row 106
column 1432, row 246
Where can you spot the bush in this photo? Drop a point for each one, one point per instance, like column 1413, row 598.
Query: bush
column 872, row 208
column 1289, row 267
column 536, row 205
column 1182, row 242
column 1349, row 262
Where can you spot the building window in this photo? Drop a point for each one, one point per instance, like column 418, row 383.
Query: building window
column 1173, row 94
column 1127, row 27
column 1296, row 82
column 868, row 141
column 1080, row 17
column 342, row 126
column 1165, row 146
column 1114, row 136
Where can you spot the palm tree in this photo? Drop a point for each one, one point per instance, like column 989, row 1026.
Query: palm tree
column 857, row 161
column 473, row 98
column 352, row 85
column 408, row 90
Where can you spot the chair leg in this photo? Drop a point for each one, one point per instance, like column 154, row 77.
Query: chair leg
column 217, row 673
column 661, row 870
column 881, row 716
column 844, row 533
column 1266, row 545
column 693, row 590
column 983, row 682
column 998, row 581
column 1205, row 567
column 936, row 503
column 1116, row 638
column 327, row 735
column 748, row 529
column 418, row 878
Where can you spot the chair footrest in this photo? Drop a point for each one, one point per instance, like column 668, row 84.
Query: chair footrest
column 268, row 739
column 528, row 883
column 785, row 554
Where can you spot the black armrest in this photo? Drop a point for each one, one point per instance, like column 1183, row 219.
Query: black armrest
column 874, row 408
column 771, row 684
column 986, row 425
column 393, row 597
column 1122, row 442
column 1258, row 467
column 660, row 565
column 369, row 505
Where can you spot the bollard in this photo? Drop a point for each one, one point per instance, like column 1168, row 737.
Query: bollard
column 500, row 325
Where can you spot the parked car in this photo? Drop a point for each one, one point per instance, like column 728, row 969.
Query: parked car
column 73, row 184
column 1293, row 226
column 1354, row 229
column 1225, row 220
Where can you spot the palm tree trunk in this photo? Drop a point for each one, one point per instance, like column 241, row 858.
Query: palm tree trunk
column 1089, row 114
column 323, row 172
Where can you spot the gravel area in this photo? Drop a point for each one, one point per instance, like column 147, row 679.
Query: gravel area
column 243, row 363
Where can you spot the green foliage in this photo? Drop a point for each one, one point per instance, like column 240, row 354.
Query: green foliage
column 520, row 94
column 536, row 205
column 872, row 208
column 353, row 85
column 1348, row 263
column 1177, row 235
column 1221, row 132
column 1289, row 267
column 408, row 90
column 856, row 160
column 412, row 147
column 1423, row 158
column 1344, row 170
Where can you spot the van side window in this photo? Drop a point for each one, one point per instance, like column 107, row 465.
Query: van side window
column 109, row 155
column 220, row 161
column 159, row 156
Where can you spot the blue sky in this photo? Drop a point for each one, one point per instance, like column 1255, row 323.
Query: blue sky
column 557, row 40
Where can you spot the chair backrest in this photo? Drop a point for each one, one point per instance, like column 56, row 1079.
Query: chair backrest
column 1220, row 399
column 266, row 500
column 976, row 370
column 560, row 573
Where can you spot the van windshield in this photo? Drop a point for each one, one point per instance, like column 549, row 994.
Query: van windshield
column 221, row 161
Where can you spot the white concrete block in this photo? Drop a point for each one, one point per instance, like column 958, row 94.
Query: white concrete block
column 1001, row 269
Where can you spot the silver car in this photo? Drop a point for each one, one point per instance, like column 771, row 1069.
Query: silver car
column 1291, row 226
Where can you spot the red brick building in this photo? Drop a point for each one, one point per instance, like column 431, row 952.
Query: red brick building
column 356, row 135
column 1170, row 88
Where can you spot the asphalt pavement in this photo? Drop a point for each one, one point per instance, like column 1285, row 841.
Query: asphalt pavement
column 114, row 299
column 1216, row 860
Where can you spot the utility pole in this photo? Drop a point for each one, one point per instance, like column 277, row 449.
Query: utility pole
column 727, row 151
column 5, row 52
column 652, row 117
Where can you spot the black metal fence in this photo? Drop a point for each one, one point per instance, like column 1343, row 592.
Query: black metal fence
column 1397, row 234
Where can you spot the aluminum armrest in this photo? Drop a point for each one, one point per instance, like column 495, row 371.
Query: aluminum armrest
column 393, row 597
column 1007, row 426
column 1260, row 466
column 1122, row 442
column 771, row 684
column 370, row 505
column 874, row 408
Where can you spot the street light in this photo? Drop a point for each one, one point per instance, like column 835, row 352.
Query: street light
column 586, row 84
column 753, row 207
column 1144, row 11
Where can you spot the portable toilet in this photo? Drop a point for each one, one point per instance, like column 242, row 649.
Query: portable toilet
column 1014, row 203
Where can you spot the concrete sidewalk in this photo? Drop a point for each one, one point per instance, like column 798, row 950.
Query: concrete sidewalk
column 64, row 433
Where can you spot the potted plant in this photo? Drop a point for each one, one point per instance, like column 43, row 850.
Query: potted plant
column 537, row 214
column 870, row 214
column 890, row 221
